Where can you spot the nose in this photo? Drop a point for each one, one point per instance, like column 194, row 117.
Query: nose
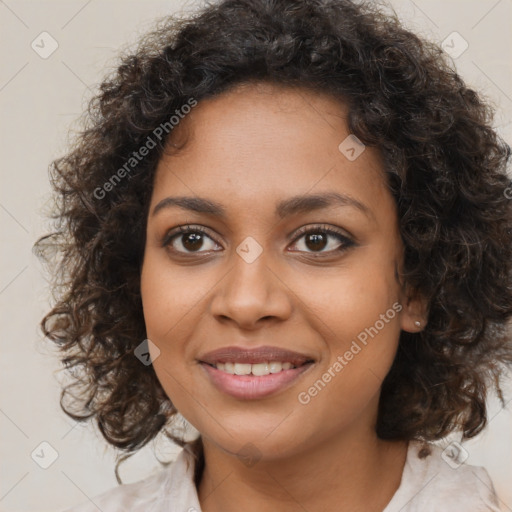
column 251, row 294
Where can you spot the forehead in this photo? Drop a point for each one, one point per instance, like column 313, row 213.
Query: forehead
column 262, row 142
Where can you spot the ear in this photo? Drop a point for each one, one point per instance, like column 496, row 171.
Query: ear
column 414, row 314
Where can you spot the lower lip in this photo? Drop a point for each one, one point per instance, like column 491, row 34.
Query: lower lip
column 251, row 387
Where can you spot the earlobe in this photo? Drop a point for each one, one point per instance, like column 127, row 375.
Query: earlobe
column 414, row 313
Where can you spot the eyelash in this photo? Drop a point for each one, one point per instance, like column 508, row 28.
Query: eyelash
column 188, row 229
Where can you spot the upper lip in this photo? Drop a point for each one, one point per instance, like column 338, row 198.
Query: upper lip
column 263, row 354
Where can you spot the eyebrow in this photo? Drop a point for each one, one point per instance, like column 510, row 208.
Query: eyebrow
column 285, row 208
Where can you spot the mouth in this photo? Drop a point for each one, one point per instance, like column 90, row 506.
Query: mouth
column 254, row 373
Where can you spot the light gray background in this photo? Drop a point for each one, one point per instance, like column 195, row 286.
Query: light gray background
column 39, row 100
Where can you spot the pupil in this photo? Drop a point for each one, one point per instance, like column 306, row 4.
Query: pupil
column 193, row 241
column 318, row 241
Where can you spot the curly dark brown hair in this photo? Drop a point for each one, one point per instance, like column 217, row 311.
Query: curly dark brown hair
column 445, row 164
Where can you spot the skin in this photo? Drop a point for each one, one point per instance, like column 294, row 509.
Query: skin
column 247, row 149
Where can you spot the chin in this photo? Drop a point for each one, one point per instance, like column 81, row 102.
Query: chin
column 250, row 445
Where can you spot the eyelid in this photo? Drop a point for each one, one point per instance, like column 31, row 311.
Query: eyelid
column 324, row 228
column 185, row 228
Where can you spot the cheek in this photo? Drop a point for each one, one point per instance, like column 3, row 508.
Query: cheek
column 352, row 299
column 165, row 306
column 169, row 298
column 171, row 302
column 357, row 313
column 164, row 303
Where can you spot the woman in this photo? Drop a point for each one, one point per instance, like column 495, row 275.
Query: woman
column 288, row 222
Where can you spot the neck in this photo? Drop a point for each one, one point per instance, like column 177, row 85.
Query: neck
column 357, row 472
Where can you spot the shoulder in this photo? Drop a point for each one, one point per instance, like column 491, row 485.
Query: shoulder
column 440, row 480
column 135, row 496
column 165, row 490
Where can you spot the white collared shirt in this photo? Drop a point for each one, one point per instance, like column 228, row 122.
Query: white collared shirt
column 431, row 484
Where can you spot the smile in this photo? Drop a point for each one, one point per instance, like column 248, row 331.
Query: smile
column 254, row 381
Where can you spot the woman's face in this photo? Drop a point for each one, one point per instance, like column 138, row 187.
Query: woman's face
column 254, row 159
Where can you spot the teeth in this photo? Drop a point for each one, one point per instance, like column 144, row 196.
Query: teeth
column 258, row 369
column 275, row 367
column 242, row 369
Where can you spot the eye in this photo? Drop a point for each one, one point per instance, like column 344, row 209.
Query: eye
column 189, row 238
column 317, row 238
